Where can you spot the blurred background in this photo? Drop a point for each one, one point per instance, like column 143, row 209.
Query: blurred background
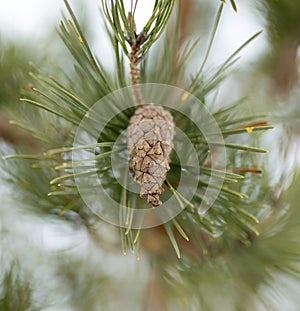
column 59, row 263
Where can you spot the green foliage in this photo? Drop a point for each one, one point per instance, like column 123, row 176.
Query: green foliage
column 13, row 68
column 68, row 101
column 282, row 17
column 123, row 26
column 248, row 240
column 248, row 272
column 15, row 294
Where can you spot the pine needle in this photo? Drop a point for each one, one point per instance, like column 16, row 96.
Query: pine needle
column 172, row 239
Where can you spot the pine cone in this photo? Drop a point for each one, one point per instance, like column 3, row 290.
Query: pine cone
column 150, row 142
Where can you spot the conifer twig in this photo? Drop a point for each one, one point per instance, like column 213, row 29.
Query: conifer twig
column 125, row 33
column 135, row 58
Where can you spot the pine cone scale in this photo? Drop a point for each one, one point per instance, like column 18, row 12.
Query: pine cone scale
column 150, row 142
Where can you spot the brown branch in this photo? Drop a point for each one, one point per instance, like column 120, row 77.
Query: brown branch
column 135, row 58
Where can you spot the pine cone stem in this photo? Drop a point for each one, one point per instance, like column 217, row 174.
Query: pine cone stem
column 135, row 78
column 135, row 57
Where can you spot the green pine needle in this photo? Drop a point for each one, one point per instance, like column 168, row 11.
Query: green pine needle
column 172, row 239
column 122, row 24
column 234, row 6
column 212, row 38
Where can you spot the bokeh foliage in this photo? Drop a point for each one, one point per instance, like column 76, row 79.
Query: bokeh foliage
column 224, row 245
